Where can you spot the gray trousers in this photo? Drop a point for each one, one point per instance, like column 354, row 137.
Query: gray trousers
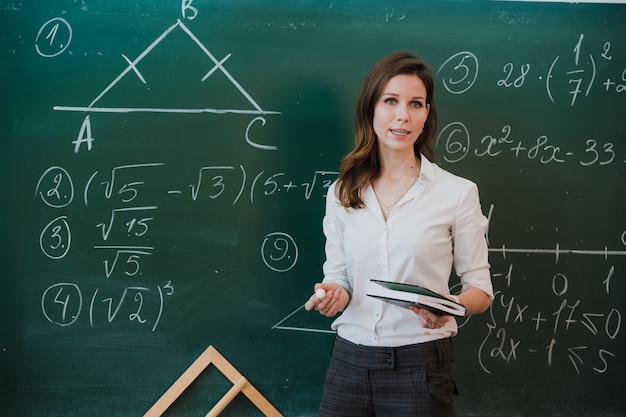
column 407, row 381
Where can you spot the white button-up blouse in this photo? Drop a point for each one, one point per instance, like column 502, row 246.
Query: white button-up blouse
column 438, row 224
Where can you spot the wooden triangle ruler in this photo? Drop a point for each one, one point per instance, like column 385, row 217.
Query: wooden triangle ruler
column 240, row 384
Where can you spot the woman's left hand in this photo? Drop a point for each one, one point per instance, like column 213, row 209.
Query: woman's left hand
column 429, row 320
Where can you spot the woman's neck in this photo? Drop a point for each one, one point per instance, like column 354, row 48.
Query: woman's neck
column 397, row 168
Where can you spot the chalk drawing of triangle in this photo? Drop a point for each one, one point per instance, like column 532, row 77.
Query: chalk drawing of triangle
column 176, row 73
column 300, row 320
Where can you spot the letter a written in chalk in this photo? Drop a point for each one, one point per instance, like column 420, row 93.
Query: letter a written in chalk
column 84, row 136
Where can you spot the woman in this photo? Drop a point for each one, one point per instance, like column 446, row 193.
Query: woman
column 394, row 215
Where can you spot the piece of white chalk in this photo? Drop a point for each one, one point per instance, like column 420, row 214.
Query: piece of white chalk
column 320, row 293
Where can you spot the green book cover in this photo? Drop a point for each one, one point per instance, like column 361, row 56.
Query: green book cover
column 416, row 289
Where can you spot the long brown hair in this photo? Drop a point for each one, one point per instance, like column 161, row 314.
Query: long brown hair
column 362, row 164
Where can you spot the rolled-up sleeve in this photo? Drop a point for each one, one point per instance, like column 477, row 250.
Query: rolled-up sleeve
column 335, row 268
column 471, row 254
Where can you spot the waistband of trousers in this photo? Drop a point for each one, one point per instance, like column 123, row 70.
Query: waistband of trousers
column 374, row 357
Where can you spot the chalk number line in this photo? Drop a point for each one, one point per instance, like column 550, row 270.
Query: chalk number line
column 557, row 251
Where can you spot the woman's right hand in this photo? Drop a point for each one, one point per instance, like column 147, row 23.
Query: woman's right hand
column 334, row 301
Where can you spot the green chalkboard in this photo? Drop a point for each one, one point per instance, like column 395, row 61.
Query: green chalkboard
column 163, row 173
